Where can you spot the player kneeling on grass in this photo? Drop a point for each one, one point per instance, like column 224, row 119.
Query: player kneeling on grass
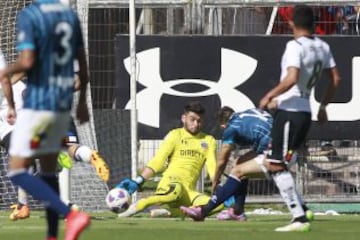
column 183, row 153
column 251, row 127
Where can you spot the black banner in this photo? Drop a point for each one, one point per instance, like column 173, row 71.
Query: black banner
column 229, row 70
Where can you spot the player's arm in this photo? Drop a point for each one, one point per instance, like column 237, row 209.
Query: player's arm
column 288, row 82
column 210, row 162
column 24, row 62
column 329, row 94
column 8, row 92
column 82, row 111
column 155, row 164
column 17, row 77
column 166, row 149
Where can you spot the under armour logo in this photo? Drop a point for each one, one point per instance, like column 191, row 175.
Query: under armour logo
column 236, row 68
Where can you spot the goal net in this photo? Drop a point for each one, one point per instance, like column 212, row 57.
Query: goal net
column 86, row 189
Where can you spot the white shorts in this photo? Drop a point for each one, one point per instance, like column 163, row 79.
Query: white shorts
column 38, row 132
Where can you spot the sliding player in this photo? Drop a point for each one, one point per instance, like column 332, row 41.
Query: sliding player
column 183, row 154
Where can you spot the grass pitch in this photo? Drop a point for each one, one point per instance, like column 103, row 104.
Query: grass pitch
column 106, row 226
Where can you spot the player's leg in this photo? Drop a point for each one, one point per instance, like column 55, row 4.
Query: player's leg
column 285, row 124
column 86, row 154
column 234, row 185
column 25, row 145
column 64, row 185
column 49, row 176
column 20, row 210
column 167, row 192
column 201, row 199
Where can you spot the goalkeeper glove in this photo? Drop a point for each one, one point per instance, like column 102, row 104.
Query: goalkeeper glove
column 131, row 185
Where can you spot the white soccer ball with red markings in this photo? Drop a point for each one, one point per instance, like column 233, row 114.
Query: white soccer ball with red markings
column 118, row 200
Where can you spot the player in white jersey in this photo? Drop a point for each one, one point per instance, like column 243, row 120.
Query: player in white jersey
column 303, row 61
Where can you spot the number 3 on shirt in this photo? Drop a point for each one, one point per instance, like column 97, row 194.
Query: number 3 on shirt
column 64, row 31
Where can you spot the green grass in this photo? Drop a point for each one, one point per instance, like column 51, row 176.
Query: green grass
column 105, row 226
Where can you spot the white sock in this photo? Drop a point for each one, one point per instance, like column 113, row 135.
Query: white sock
column 22, row 196
column 83, row 153
column 286, row 185
column 64, row 185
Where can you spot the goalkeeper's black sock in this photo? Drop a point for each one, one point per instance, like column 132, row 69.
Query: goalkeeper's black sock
column 52, row 216
column 221, row 194
column 301, row 219
column 240, row 196
column 304, row 207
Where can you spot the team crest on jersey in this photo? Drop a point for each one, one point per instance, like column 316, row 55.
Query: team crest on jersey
column 204, row 145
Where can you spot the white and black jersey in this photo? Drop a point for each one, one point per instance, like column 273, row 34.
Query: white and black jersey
column 310, row 55
column 293, row 119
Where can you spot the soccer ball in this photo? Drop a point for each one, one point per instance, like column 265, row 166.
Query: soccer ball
column 118, row 200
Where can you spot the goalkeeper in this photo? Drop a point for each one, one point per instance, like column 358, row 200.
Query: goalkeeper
column 183, row 154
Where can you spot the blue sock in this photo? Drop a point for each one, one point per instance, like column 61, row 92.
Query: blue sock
column 40, row 191
column 221, row 194
column 240, row 196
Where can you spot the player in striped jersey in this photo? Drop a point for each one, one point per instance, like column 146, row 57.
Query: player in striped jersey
column 72, row 150
column 49, row 38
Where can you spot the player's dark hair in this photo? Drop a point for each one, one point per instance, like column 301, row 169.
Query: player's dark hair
column 303, row 17
column 224, row 114
column 195, row 107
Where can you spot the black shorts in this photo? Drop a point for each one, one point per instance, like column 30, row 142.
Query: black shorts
column 289, row 132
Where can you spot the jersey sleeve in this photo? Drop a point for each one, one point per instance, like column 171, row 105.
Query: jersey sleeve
column 229, row 135
column 25, row 32
column 166, row 149
column 210, row 162
column 293, row 55
column 330, row 61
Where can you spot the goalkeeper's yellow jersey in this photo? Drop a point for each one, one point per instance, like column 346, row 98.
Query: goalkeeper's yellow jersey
column 185, row 155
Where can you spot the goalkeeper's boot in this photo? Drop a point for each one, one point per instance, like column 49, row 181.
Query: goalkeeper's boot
column 229, row 214
column 102, row 169
column 20, row 211
column 193, row 212
column 76, row 222
column 65, row 160
column 295, row 227
column 132, row 210
column 309, row 215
